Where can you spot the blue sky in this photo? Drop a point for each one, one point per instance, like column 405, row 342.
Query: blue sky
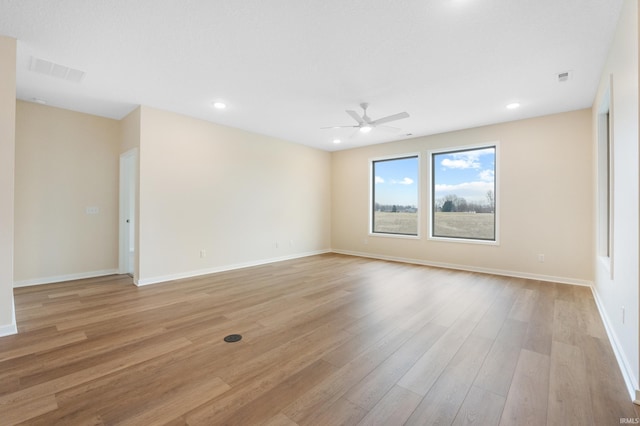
column 468, row 174
column 396, row 181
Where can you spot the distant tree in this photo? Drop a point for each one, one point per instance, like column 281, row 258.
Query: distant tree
column 448, row 206
column 473, row 206
column 491, row 200
column 460, row 205
column 394, row 209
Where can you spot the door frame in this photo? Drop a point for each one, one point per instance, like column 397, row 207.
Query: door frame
column 128, row 183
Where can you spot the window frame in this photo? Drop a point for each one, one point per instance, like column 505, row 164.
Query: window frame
column 372, row 200
column 496, row 193
column 605, row 179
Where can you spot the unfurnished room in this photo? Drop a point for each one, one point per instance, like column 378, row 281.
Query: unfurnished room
column 296, row 212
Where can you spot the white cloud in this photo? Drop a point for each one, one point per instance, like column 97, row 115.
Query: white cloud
column 472, row 191
column 487, row 175
column 379, row 179
column 405, row 181
column 466, row 159
column 464, row 186
column 460, row 163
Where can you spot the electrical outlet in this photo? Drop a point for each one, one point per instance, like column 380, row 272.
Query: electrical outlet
column 541, row 258
column 277, row 245
column 203, row 253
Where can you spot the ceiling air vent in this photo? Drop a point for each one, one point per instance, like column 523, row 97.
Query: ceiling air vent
column 52, row 69
column 564, row 76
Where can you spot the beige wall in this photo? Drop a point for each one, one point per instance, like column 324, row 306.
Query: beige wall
column 130, row 131
column 622, row 291
column 244, row 198
column 65, row 162
column 545, row 200
column 7, row 149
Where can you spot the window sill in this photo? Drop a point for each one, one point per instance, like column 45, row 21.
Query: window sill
column 401, row 236
column 465, row 241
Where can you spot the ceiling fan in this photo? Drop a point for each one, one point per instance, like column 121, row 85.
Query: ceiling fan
column 366, row 124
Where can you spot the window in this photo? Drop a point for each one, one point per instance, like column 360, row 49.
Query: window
column 605, row 179
column 463, row 193
column 395, row 196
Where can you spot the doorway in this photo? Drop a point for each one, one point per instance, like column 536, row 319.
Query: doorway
column 127, row 224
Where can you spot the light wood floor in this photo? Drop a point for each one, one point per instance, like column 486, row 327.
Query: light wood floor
column 327, row 340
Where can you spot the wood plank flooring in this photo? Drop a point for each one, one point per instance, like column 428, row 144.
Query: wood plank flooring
column 327, row 340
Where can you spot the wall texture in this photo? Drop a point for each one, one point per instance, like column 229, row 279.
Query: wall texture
column 7, row 166
column 214, row 198
column 545, row 201
column 65, row 162
column 622, row 290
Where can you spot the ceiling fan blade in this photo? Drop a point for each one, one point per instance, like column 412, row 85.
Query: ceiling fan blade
column 390, row 118
column 337, row 127
column 355, row 116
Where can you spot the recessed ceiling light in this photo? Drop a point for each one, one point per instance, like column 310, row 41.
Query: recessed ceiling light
column 514, row 105
column 365, row 129
column 219, row 105
column 337, row 141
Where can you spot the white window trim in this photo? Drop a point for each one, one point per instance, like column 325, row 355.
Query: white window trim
column 496, row 195
column 606, row 106
column 371, row 200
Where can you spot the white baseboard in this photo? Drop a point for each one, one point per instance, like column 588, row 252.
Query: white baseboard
column 526, row 275
column 60, row 278
column 623, row 363
column 207, row 271
column 9, row 329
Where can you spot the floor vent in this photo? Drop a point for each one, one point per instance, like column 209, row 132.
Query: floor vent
column 233, row 338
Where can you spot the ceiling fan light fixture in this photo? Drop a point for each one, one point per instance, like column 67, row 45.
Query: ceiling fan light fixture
column 366, row 124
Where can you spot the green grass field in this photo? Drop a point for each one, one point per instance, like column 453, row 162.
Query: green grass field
column 461, row 225
column 464, row 225
column 396, row 223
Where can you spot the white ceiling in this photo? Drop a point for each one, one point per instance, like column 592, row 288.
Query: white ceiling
column 285, row 68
